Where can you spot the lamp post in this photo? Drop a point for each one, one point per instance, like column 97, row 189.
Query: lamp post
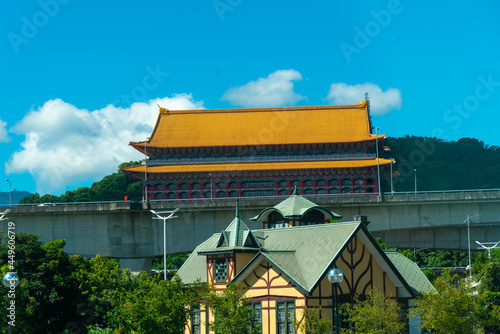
column 415, row 170
column 392, row 183
column 145, row 171
column 489, row 248
column 468, row 241
column 165, row 218
column 335, row 276
column 10, row 193
column 10, row 281
column 378, row 164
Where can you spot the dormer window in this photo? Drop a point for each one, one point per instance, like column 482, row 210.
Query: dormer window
column 220, row 270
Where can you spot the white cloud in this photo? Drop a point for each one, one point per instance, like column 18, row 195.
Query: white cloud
column 4, row 137
column 273, row 91
column 64, row 144
column 381, row 102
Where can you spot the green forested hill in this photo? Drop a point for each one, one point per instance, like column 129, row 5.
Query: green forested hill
column 441, row 165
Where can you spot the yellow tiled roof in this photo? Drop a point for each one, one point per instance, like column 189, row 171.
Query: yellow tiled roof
column 256, row 166
column 261, row 126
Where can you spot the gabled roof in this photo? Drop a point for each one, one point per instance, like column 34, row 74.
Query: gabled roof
column 410, row 272
column 236, row 237
column 303, row 255
column 241, row 127
column 295, row 206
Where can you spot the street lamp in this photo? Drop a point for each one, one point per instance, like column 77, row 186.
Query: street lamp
column 335, row 276
column 415, row 170
column 10, row 193
column 378, row 164
column 145, row 171
column 489, row 248
column 392, row 183
column 468, row 241
column 10, row 281
column 165, row 218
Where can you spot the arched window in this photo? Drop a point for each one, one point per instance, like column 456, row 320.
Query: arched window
column 184, row 194
column 221, row 184
column 369, row 181
column 158, row 186
column 283, row 192
column 158, row 195
column 333, row 182
column 308, row 183
column 312, row 217
column 333, row 190
column 283, row 183
column 207, row 194
column 196, row 185
column 321, row 182
column 346, row 190
column 359, row 190
column 276, row 220
column 183, row 186
column 233, row 184
column 207, row 185
column 359, row 181
column 171, row 195
column 308, row 191
column 321, row 191
column 233, row 193
column 171, row 186
column 195, row 194
column 221, row 194
column 346, row 181
column 295, row 183
column 369, row 189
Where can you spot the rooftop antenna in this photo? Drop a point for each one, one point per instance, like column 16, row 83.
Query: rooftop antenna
column 237, row 208
column 294, row 190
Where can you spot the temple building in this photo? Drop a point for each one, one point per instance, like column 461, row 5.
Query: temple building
column 260, row 152
column 285, row 269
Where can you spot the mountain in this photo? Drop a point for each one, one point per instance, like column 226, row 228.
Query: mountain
column 17, row 195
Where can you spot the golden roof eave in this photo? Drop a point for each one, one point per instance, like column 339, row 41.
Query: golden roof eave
column 192, row 168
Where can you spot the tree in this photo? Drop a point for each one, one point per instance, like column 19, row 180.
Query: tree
column 489, row 288
column 453, row 309
column 231, row 312
column 157, row 306
column 375, row 314
column 47, row 292
column 313, row 323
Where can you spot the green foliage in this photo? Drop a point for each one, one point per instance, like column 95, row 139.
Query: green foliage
column 232, row 314
column 47, row 297
column 489, row 288
column 477, row 168
column 112, row 187
column 313, row 323
column 434, row 258
column 375, row 314
column 453, row 309
column 157, row 306
column 174, row 261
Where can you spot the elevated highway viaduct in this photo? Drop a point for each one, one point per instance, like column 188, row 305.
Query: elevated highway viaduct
column 128, row 231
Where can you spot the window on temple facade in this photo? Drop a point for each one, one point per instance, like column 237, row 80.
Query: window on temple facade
column 183, row 186
column 321, row 191
column 285, row 314
column 346, row 181
column 221, row 194
column 333, row 190
column 308, row 183
column 369, row 181
column 359, row 181
column 333, row 182
column 183, row 194
column 233, row 184
column 283, row 192
column 283, row 183
column 196, row 185
column 207, row 185
column 171, row 186
column 359, row 190
column 321, row 182
column 346, row 190
column 171, row 195
column 308, row 191
column 158, row 195
column 233, row 193
column 220, row 270
column 195, row 194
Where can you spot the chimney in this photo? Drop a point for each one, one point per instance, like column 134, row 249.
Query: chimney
column 362, row 219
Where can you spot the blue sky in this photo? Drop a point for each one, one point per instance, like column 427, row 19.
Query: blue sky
column 80, row 79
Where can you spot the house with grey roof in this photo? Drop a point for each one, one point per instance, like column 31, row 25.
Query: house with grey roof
column 285, row 267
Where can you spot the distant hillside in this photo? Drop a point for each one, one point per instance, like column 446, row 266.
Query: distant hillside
column 442, row 165
column 16, row 197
